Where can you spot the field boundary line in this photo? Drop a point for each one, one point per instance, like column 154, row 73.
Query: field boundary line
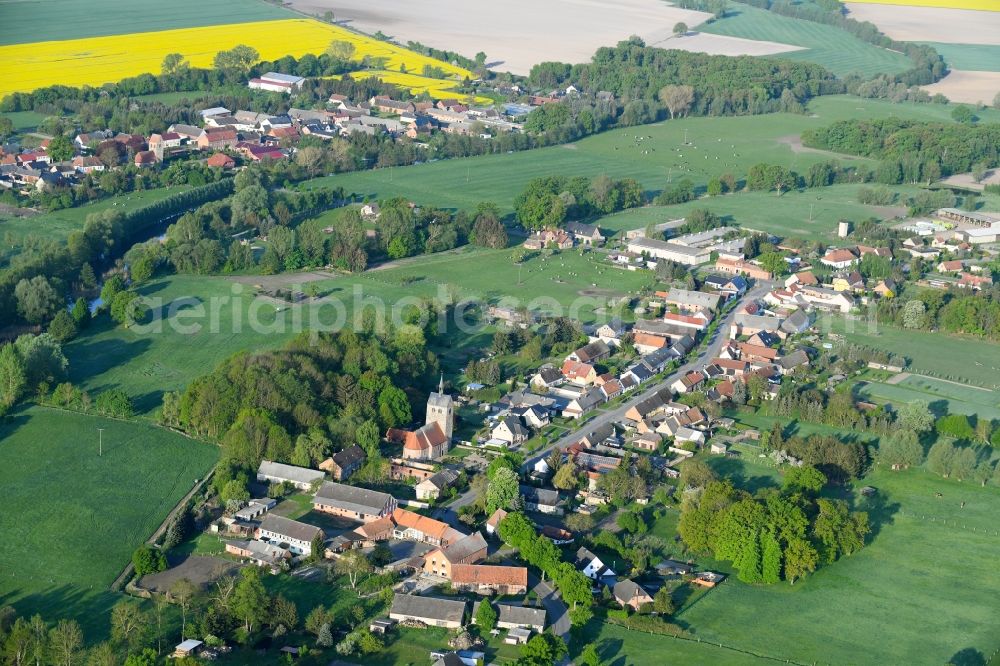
column 718, row 645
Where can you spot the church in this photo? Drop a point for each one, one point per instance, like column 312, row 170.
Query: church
column 432, row 440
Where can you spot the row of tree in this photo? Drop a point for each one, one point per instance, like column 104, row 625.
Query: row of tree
column 550, row 201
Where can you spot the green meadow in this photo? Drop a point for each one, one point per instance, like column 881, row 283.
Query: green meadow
column 71, row 518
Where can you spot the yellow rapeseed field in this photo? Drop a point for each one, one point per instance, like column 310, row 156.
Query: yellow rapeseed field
column 98, row 60
column 415, row 83
column 984, row 5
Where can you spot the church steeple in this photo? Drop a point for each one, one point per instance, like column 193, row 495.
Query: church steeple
column 441, row 384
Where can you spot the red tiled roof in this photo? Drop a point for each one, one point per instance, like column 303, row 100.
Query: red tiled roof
column 481, row 574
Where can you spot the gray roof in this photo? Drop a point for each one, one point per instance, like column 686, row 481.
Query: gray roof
column 351, row 498
column 431, row 608
column 581, row 229
column 439, row 400
column 626, row 590
column 693, row 298
column 796, row 322
column 549, row 374
column 443, row 479
column 793, row 360
column 289, row 472
column 592, row 350
column 349, row 456
column 292, row 529
column 514, row 426
column 464, row 547
column 540, row 495
column 758, row 321
column 285, row 78
column 643, row 244
column 511, row 614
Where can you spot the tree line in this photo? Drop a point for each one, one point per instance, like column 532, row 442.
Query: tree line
column 550, row 201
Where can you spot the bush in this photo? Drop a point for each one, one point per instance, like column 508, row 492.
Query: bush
column 147, row 560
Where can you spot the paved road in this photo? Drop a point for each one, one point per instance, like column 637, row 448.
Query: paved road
column 449, row 514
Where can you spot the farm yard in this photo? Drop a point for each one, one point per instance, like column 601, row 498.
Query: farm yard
column 98, row 60
column 68, row 549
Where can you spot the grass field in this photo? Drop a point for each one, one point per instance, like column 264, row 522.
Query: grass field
column 730, row 144
column 969, row 360
column 26, row 21
column 24, row 120
column 71, row 519
column 57, row 226
column 942, row 396
column 970, row 57
column 98, row 60
column 785, row 216
column 623, row 647
column 146, row 363
column 838, row 51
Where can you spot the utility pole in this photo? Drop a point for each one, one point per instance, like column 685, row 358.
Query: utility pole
column 100, row 442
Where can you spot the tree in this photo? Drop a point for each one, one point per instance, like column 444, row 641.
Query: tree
column 774, row 263
column 352, row 564
column 236, row 61
column 915, row 416
column 800, row 559
column 566, row 477
column 13, row 375
column 250, row 601
column 65, row 641
column 368, row 438
column 341, row 50
column 542, row 650
column 589, row 656
column 174, row 64
column 963, row 114
column 914, row 314
column 901, row 450
column 677, row 99
column 503, row 491
column 663, row 601
column 324, row 638
column 37, row 300
column 488, row 231
column 805, row 479
column 129, row 625
column 147, row 559
column 6, row 127
column 695, row 474
column 127, row 308
column 680, row 28
column 81, row 314
column 60, row 148
column 956, row 426
column 317, row 618
column 394, row 407
column 284, row 613
column 183, row 593
column 486, row 617
column 62, row 327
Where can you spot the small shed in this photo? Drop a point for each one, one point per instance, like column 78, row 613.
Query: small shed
column 517, row 636
column 188, row 648
column 381, row 625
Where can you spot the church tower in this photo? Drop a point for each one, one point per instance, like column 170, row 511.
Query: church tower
column 441, row 410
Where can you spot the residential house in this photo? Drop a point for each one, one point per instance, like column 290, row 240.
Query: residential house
column 220, row 161
column 885, row 288
column 493, row 522
column 582, row 404
column 431, row 488
column 789, row 362
column 974, row 282
column 533, row 416
column 217, row 139
column 354, row 503
column 698, row 321
column 950, row 266
column 549, row 238
column 344, row 463
column 630, row 594
column 490, row 580
column 391, row 106
column 541, row 500
column 852, row 281
column 468, row 550
column 145, row 158
column 592, row 567
column 432, row 611
column 591, row 352
column 730, row 285
column 757, row 353
column 547, row 377
column 645, row 343
column 298, row 537
column 585, row 234
column 610, row 332
column 842, row 258
column 579, row 373
column 510, row 430
column 654, row 404
column 797, row 322
column 84, row 164
column 301, row 477
column 688, row 382
column 414, row 527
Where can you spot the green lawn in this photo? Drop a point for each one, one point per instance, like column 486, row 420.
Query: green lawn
column 19, row 232
column 946, row 396
column 25, row 120
column 809, row 213
column 719, row 145
column 920, row 592
column 974, row 57
column 969, row 360
column 28, row 21
column 835, row 49
column 623, row 647
column 70, row 518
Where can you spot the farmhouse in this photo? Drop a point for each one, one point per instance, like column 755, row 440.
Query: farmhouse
column 549, row 238
column 414, row 527
column 432, row 611
column 592, row 567
column 580, row 373
column 838, row 259
column 300, row 477
column 284, row 531
column 739, row 267
column 592, row 352
column 468, row 550
column 354, row 503
column 691, row 301
column 585, row 234
column 540, row 500
column 344, row 463
column 510, row 430
column 688, row 382
column 485, row 579
column 259, row 552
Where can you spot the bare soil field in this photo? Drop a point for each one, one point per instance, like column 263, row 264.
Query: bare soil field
column 931, row 24
column 965, row 180
column 515, row 35
column 968, row 87
column 703, row 42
